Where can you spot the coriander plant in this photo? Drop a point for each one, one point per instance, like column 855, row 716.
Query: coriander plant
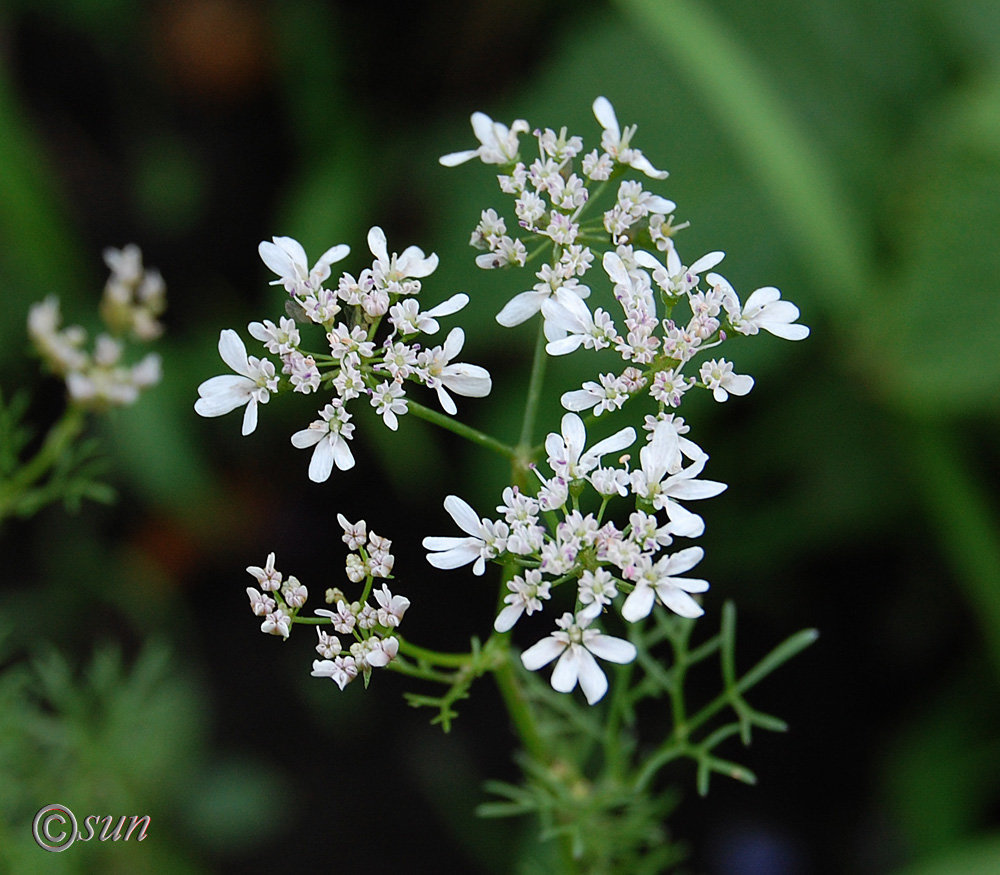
column 593, row 541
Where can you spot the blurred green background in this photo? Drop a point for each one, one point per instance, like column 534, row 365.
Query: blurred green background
column 847, row 152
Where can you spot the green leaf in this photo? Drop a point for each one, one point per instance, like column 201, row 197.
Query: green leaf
column 938, row 325
column 976, row 857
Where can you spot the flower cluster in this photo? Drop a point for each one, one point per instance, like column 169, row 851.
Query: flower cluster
column 596, row 559
column 369, row 642
column 551, row 197
column 133, row 300
column 358, row 360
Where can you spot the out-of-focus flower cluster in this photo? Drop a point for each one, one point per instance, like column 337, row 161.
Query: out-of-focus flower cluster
column 551, row 198
column 362, row 636
column 358, row 360
column 134, row 298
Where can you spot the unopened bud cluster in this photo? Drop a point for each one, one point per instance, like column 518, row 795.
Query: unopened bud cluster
column 361, row 638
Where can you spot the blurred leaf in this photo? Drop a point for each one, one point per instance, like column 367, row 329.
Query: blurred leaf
column 792, row 170
column 940, row 327
column 976, row 857
column 942, row 769
column 37, row 251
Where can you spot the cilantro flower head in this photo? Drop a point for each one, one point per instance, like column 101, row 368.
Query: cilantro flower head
column 576, row 646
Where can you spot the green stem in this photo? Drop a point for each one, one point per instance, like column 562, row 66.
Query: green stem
column 535, row 381
column 517, row 704
column 435, row 657
column 462, row 430
column 60, row 436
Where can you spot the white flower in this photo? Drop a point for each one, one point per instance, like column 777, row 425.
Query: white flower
column 596, row 589
column 719, row 377
column 329, row 435
column 342, row 669
column 569, row 324
column 463, row 379
column 406, row 317
column 486, row 540
column 390, row 272
column 391, row 607
column 277, row 623
column 523, row 306
column 565, row 451
column 763, row 309
column 526, row 594
column 382, row 652
column 355, row 534
column 661, row 480
column 660, row 580
column 498, row 143
column 253, row 386
column 287, row 259
column 268, row 578
column 387, row 399
column 576, row 646
column 616, row 142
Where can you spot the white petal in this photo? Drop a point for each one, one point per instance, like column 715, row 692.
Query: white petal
column 739, row 384
column 508, row 617
column 275, row 258
column 463, row 515
column 638, row 604
column 618, row 441
column 610, row 648
column 641, row 163
column 689, row 490
column 250, row 417
column 680, row 602
column 574, row 433
column 342, row 454
column 452, row 305
column 682, row 560
column 307, row 437
column 376, row 243
column 592, row 680
column 445, row 400
column 292, row 248
column 786, row 332
column 565, row 345
column 471, row 381
column 220, row 395
column 566, row 672
column 453, row 159
column 542, row 653
column 456, row 557
column 707, row 261
column 483, row 127
column 234, row 352
column 334, row 254
column 578, row 399
column 453, row 343
column 321, row 463
column 521, row 307
column 615, row 268
column 605, row 114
